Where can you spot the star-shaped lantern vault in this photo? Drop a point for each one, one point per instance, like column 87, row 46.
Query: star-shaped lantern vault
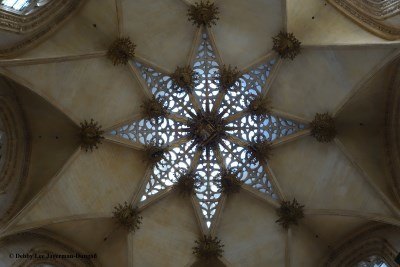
column 208, row 129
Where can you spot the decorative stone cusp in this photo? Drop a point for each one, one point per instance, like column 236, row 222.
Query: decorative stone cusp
column 289, row 213
column 121, row 51
column 90, row 135
column 286, row 45
column 208, row 247
column 323, row 128
column 203, row 13
column 127, row 216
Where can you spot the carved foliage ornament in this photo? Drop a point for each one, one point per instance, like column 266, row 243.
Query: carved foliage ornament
column 187, row 184
column 228, row 76
column 208, row 247
column 207, row 129
column 290, row 213
column 203, row 13
column 90, row 135
column 153, row 109
column 127, row 216
column 261, row 151
column 184, row 78
column 259, row 106
column 121, row 51
column 323, row 128
column 286, row 45
column 228, row 182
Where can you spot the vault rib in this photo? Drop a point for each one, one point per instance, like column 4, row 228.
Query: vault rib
column 355, row 214
column 360, row 84
column 367, row 179
column 47, row 60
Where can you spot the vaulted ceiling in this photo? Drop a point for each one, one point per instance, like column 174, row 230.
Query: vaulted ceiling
column 67, row 78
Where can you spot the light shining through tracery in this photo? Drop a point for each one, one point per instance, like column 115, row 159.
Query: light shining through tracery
column 16, row 4
column 184, row 154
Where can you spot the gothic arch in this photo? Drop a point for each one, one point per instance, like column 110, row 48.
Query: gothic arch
column 374, row 16
column 370, row 241
column 28, row 29
column 15, row 153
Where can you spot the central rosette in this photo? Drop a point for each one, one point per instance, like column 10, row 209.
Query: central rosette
column 207, row 129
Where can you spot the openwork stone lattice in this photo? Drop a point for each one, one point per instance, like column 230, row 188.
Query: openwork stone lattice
column 121, row 51
column 203, row 13
column 323, row 128
column 90, row 135
column 153, row 153
column 286, row 45
column 372, row 261
column 290, row 213
column 207, row 130
column 127, row 216
column 208, row 247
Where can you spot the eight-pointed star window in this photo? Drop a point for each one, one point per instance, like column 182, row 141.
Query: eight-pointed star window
column 214, row 109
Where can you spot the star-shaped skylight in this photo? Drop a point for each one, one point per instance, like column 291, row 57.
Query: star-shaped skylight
column 207, row 103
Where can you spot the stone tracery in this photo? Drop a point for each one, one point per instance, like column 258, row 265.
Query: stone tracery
column 207, row 129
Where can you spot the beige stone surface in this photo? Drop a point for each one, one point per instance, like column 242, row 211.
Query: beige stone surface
column 329, row 229
column 361, row 127
column 243, row 33
column 168, row 37
column 305, row 249
column 89, row 234
column 167, row 234
column 114, row 252
column 84, row 89
column 321, row 177
column 8, row 39
column 92, row 28
column 250, row 234
column 92, row 184
column 319, row 80
column 329, row 26
column 54, row 138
